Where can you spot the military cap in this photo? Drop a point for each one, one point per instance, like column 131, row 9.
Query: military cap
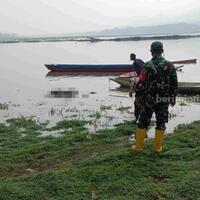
column 157, row 47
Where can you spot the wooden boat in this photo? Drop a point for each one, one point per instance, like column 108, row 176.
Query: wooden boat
column 71, row 74
column 183, row 87
column 188, row 88
column 123, row 68
column 134, row 74
column 90, row 67
column 190, row 61
column 123, row 82
column 128, row 75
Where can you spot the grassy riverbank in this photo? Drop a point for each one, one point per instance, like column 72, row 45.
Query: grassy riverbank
column 80, row 165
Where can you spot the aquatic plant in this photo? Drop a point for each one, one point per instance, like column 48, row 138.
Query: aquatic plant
column 182, row 104
column 104, row 108
column 4, row 106
column 124, row 109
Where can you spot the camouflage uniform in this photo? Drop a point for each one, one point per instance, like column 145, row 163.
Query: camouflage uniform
column 156, row 89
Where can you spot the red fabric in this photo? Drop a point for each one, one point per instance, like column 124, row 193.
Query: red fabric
column 142, row 77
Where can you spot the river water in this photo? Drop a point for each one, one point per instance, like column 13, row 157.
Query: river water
column 28, row 90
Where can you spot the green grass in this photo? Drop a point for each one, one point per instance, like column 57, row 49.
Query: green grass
column 124, row 109
column 80, row 164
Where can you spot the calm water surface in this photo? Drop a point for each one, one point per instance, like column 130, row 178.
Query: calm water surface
column 28, row 90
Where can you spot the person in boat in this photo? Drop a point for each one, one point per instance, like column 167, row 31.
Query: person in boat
column 137, row 63
column 137, row 67
column 157, row 89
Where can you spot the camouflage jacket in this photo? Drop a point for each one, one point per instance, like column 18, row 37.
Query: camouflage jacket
column 158, row 78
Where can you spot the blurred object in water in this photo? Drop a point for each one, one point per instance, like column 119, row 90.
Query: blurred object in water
column 60, row 93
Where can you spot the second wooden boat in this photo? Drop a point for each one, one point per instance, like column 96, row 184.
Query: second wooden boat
column 183, row 87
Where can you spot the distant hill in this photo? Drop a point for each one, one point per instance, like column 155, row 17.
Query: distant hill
column 167, row 32
column 178, row 28
column 7, row 36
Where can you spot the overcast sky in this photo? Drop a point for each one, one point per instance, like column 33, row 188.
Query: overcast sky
column 66, row 16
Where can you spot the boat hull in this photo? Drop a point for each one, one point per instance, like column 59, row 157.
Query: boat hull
column 90, row 68
column 123, row 68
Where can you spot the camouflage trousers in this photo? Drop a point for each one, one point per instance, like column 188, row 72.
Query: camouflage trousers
column 161, row 113
column 137, row 106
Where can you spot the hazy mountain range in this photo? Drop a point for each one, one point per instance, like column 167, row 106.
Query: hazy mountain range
column 177, row 28
column 167, row 29
column 5, row 36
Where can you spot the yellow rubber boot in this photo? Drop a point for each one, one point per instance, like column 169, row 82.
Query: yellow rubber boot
column 159, row 136
column 146, row 136
column 140, row 135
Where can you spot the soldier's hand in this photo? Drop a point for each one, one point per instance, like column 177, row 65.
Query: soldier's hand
column 137, row 100
column 173, row 101
column 172, row 104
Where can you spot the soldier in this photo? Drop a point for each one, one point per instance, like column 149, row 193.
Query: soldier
column 157, row 88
